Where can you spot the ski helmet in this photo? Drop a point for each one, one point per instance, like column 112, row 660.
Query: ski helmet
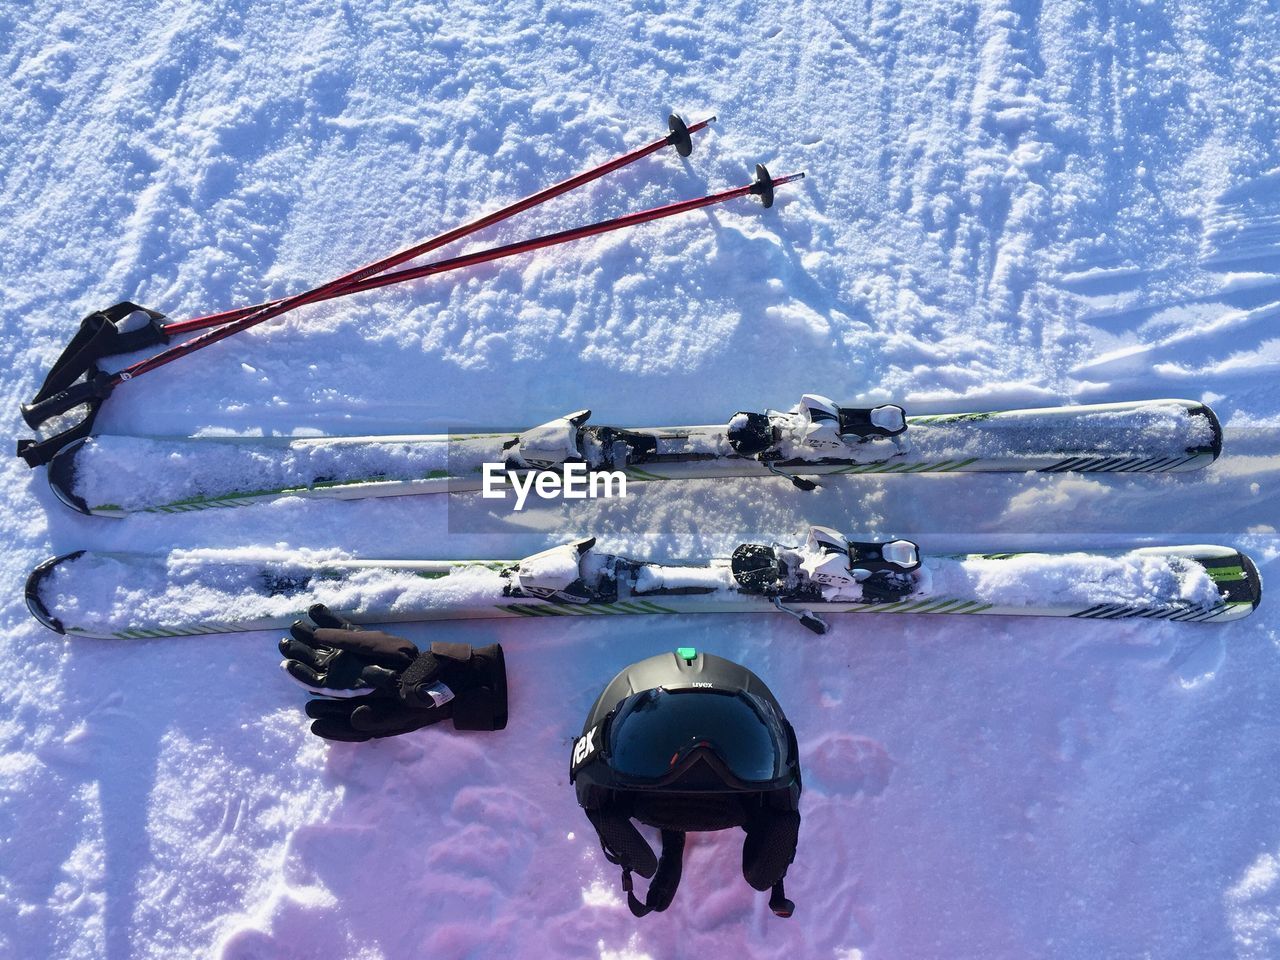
column 688, row 741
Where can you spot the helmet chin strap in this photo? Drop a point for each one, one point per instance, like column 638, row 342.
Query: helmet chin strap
column 666, row 880
column 778, row 901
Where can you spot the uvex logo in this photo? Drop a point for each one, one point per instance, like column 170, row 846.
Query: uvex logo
column 584, row 747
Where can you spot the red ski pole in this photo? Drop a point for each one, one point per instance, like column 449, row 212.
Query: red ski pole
column 92, row 392
column 99, row 336
column 679, row 137
column 759, row 186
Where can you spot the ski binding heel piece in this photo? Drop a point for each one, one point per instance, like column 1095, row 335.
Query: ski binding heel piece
column 552, row 444
column 554, row 574
column 886, row 420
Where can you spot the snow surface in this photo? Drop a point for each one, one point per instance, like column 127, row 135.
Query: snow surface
column 1006, row 204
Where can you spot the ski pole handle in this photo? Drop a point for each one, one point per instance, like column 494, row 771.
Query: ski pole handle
column 97, row 388
column 88, row 394
column 37, row 453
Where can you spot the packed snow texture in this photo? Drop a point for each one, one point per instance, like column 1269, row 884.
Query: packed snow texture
column 108, row 594
column 1155, row 430
column 135, row 472
column 1007, row 204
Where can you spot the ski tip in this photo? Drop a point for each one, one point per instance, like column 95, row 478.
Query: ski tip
column 32, row 591
column 62, row 477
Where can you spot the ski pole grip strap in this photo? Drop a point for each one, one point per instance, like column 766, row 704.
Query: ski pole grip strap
column 88, row 394
column 99, row 337
column 92, row 392
column 37, row 453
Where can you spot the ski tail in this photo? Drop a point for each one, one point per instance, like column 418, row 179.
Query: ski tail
column 1214, row 447
column 1255, row 578
column 1237, row 579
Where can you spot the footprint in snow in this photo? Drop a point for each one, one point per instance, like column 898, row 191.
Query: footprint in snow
column 843, row 763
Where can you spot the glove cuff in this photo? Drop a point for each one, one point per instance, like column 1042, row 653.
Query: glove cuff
column 483, row 707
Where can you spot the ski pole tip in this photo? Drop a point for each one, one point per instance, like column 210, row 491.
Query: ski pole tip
column 763, row 185
column 679, row 136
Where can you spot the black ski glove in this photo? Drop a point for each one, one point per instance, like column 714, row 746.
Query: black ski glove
column 409, row 689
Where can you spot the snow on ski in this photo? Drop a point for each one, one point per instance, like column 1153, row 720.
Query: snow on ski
column 118, row 475
column 209, row 591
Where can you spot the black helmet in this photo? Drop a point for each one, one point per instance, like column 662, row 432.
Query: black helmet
column 689, row 741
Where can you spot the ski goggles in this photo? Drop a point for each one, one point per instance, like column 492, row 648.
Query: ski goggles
column 656, row 736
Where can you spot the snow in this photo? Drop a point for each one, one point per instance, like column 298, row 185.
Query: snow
column 127, row 471
column 660, row 577
column 1072, row 578
column 553, row 569
column 1005, row 205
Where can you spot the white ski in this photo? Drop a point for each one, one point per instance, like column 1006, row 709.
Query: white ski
column 114, row 476
column 207, row 591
